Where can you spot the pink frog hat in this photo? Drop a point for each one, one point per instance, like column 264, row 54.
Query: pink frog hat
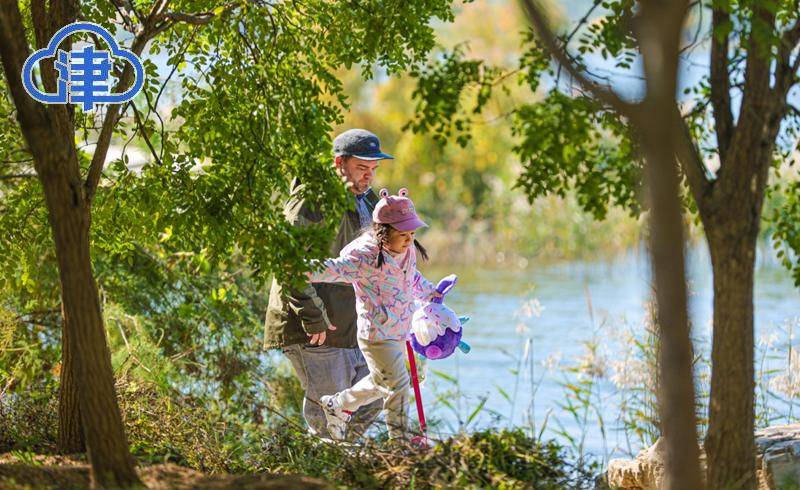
column 397, row 211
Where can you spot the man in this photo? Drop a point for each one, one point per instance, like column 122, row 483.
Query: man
column 316, row 327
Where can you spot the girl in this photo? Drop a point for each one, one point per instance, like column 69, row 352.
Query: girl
column 382, row 266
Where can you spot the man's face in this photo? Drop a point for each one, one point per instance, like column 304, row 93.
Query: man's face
column 357, row 173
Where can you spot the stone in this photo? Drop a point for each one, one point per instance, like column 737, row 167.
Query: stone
column 646, row 472
column 778, row 457
column 777, row 463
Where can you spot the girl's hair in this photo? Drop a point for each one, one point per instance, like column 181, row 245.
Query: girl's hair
column 381, row 232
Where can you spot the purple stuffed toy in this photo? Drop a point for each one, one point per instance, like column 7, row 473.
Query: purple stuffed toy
column 435, row 328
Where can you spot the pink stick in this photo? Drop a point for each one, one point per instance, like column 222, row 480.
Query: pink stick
column 417, row 394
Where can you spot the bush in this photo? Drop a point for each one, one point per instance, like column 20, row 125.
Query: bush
column 29, row 420
column 506, row 459
column 201, row 435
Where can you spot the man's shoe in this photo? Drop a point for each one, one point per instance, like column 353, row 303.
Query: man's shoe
column 336, row 418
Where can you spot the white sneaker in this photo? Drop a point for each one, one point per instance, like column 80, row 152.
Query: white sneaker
column 336, row 417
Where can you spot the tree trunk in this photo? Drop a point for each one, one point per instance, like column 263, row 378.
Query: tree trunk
column 112, row 465
column 659, row 34
column 50, row 136
column 70, row 430
column 729, row 443
column 658, row 29
column 731, row 224
column 676, row 389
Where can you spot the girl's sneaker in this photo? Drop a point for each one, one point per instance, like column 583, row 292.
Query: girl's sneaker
column 336, row 417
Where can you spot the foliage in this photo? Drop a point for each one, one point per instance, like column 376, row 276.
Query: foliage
column 568, row 143
column 439, row 95
column 786, row 234
column 171, row 317
column 12, row 154
column 565, row 143
column 467, row 194
column 258, row 97
column 182, row 246
column 590, row 153
column 29, row 419
column 258, row 100
column 166, row 427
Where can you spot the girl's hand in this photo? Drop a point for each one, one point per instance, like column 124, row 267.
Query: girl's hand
column 437, row 295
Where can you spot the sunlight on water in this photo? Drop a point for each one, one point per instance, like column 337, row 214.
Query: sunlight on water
column 559, row 307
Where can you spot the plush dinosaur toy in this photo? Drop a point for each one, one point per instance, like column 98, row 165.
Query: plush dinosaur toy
column 435, row 328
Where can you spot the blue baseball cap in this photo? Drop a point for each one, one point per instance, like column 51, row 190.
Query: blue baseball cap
column 359, row 143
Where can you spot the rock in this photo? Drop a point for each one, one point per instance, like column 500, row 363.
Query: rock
column 777, row 463
column 646, row 472
column 624, row 474
column 778, row 456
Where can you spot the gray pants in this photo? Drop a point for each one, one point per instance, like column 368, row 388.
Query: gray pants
column 324, row 370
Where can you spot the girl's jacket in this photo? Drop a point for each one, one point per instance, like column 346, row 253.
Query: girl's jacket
column 384, row 297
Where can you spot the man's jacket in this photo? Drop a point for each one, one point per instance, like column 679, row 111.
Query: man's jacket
column 293, row 314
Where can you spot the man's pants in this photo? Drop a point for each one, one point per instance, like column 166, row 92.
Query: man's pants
column 387, row 380
column 324, row 370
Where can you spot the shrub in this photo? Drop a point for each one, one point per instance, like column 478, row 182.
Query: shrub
column 200, row 434
column 29, row 420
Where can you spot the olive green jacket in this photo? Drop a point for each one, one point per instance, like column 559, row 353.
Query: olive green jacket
column 292, row 314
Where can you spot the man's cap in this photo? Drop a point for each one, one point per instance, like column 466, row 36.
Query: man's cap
column 359, row 143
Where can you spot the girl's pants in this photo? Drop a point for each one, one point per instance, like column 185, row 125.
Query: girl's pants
column 387, row 379
column 323, row 370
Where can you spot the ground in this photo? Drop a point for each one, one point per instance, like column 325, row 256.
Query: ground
column 63, row 472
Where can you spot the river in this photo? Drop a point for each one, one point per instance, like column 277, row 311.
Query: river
column 553, row 311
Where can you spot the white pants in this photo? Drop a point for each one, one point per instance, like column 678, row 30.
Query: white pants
column 387, row 379
column 324, row 370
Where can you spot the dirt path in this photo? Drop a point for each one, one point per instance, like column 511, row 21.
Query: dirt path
column 65, row 472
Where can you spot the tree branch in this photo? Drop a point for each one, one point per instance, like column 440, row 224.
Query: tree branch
column 125, row 13
column 786, row 71
column 201, row 18
column 14, row 51
column 39, row 18
column 791, row 38
column 148, row 31
column 756, row 100
column 16, row 162
column 110, row 120
column 131, row 8
column 157, row 22
column 578, row 26
column 605, row 95
column 696, row 37
column 720, row 84
column 693, row 166
column 153, row 107
column 18, row 176
column 157, row 12
column 194, row 19
column 143, row 130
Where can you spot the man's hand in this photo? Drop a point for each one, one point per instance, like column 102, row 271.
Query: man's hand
column 319, row 338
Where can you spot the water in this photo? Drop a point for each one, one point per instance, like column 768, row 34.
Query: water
column 575, row 299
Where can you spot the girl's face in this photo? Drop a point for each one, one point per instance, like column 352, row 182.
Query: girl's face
column 399, row 241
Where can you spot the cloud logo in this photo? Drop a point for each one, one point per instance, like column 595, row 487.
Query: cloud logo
column 83, row 75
